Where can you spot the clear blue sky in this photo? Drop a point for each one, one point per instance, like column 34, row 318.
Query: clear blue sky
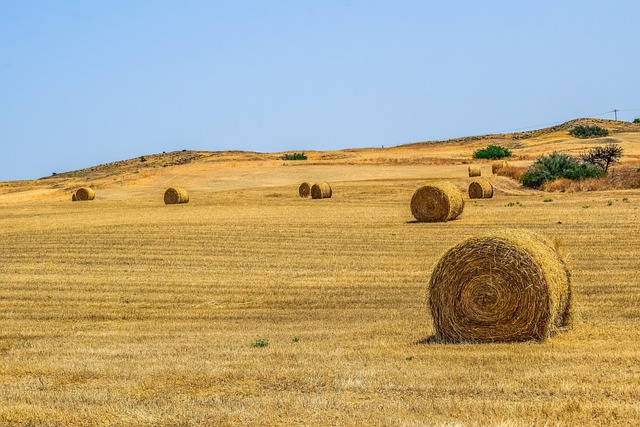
column 89, row 82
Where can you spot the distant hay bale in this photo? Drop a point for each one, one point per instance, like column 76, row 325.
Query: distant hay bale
column 175, row 195
column 74, row 198
column 480, row 189
column 511, row 285
column 438, row 202
column 474, row 171
column 304, row 190
column 85, row 193
column 321, row 190
column 497, row 165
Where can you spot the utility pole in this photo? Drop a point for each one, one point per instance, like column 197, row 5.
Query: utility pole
column 615, row 112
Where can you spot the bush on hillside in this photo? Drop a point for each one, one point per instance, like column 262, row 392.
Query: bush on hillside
column 492, row 152
column 637, row 121
column 558, row 165
column 582, row 131
column 294, row 156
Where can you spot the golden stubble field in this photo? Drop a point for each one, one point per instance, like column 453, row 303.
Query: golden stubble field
column 125, row 311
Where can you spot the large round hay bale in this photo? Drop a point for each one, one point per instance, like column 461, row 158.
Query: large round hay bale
column 321, row 190
column 480, row 189
column 511, row 285
column 175, row 195
column 474, row 171
column 438, row 202
column 304, row 190
column 85, row 193
column 497, row 165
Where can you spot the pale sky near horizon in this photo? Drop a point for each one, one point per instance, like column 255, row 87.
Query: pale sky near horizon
column 87, row 82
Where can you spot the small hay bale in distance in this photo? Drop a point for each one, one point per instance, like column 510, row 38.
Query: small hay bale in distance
column 480, row 189
column 175, row 195
column 511, row 285
column 321, row 190
column 304, row 190
column 85, row 193
column 438, row 202
column 474, row 171
column 74, row 198
column 497, row 165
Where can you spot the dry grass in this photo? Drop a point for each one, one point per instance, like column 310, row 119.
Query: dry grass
column 513, row 172
column 619, row 178
column 160, row 332
column 106, row 318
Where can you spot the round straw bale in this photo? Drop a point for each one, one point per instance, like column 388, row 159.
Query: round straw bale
column 304, row 190
column 321, row 190
column 175, row 195
column 511, row 285
column 498, row 164
column 85, row 193
column 74, row 198
column 438, row 202
column 480, row 189
column 474, row 171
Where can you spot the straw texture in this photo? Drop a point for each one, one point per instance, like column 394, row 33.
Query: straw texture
column 474, row 171
column 480, row 189
column 438, row 202
column 511, row 285
column 175, row 195
column 85, row 193
column 321, row 190
column 304, row 190
column 497, row 165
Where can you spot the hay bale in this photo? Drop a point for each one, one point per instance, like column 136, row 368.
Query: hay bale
column 321, row 190
column 474, row 171
column 438, row 202
column 511, row 285
column 304, row 190
column 175, row 195
column 74, row 198
column 85, row 193
column 497, row 165
column 480, row 189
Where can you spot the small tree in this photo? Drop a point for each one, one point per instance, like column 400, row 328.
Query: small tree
column 637, row 121
column 603, row 156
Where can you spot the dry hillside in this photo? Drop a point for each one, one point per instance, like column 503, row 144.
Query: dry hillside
column 237, row 169
column 250, row 305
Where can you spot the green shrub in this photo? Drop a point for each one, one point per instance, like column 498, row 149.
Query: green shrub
column 492, row 152
column 260, row 342
column 294, row 156
column 582, row 131
column 558, row 165
column 637, row 121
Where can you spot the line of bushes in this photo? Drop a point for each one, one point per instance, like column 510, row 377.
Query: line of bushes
column 593, row 164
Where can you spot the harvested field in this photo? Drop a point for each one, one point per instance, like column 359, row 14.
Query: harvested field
column 124, row 312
